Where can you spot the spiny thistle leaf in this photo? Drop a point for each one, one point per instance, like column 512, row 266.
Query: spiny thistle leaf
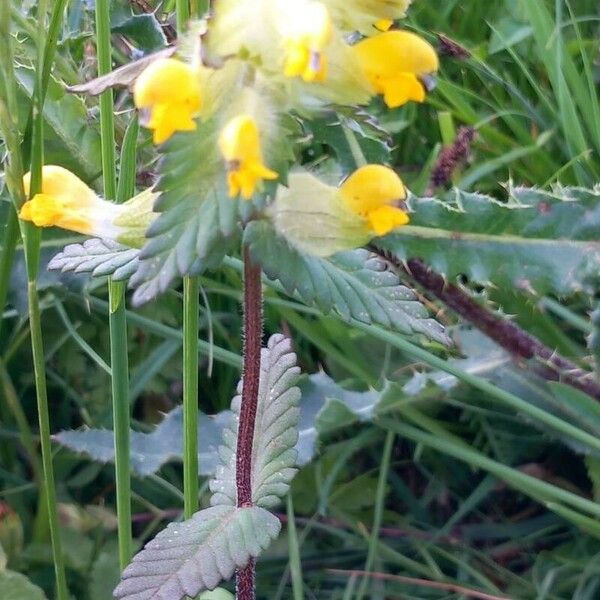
column 187, row 558
column 356, row 284
column 197, row 221
column 98, row 257
column 275, row 434
column 536, row 241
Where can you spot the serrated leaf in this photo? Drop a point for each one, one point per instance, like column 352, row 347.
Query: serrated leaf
column 196, row 555
column 536, row 241
column 275, row 433
column 98, row 257
column 356, row 284
column 149, row 451
column 15, row 586
column 197, row 222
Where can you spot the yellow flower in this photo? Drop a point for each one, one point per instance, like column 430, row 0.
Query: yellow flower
column 66, row 202
column 371, row 192
column 307, row 32
column 170, row 91
column 399, row 65
column 383, row 24
column 239, row 143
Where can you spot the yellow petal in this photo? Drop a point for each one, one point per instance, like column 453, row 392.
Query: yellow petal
column 240, row 139
column 387, row 60
column 370, row 187
column 48, row 211
column 170, row 89
column 383, row 24
column 167, row 81
column 386, row 218
column 239, row 143
column 401, row 89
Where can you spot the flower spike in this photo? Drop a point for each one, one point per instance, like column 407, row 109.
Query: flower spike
column 170, row 90
column 239, row 143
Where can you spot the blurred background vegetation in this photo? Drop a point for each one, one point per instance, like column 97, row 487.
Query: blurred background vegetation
column 527, row 83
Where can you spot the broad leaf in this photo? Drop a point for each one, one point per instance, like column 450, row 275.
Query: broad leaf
column 196, row 555
column 356, row 284
column 149, row 451
column 15, row 586
column 143, row 30
column 275, row 434
column 535, row 241
column 73, row 141
column 98, row 257
column 197, row 221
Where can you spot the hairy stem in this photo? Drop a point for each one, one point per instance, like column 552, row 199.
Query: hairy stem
column 251, row 379
column 505, row 333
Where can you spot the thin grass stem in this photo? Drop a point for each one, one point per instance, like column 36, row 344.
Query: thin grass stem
column 116, row 290
column 190, row 394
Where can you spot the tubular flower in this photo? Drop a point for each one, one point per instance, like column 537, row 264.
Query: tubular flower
column 169, row 90
column 239, row 143
column 371, row 192
column 306, row 36
column 66, row 202
column 399, row 64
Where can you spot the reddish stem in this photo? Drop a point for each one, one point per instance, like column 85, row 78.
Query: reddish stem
column 251, row 379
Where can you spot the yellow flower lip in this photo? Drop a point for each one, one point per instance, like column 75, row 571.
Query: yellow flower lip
column 64, row 201
column 169, row 94
column 239, row 143
column 399, row 64
column 373, row 192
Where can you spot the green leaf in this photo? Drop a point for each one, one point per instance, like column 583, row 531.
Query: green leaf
column 356, row 284
column 374, row 141
column 196, row 555
column 198, row 222
column 275, row 433
column 535, row 241
column 217, row 594
column 104, row 574
column 98, row 257
column 72, row 140
column 15, row 586
column 149, row 451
